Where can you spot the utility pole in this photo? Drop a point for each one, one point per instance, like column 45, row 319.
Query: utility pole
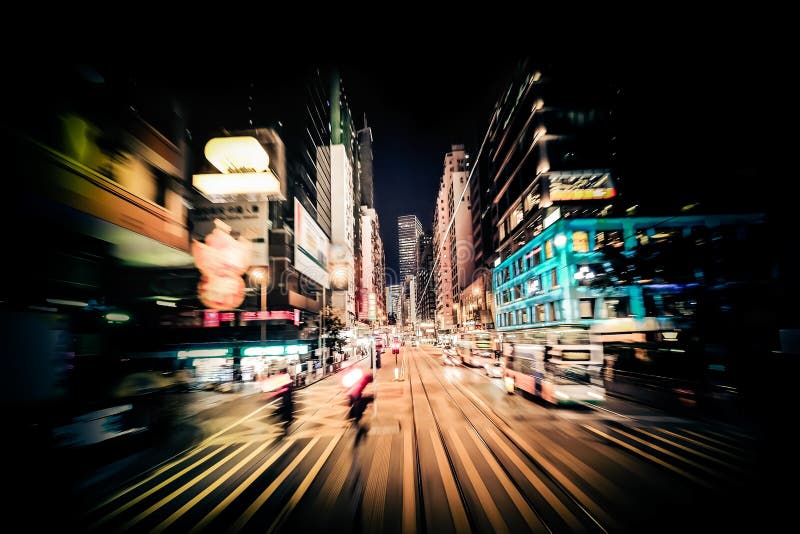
column 264, row 308
column 321, row 330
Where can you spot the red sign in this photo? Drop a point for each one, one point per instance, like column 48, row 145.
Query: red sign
column 269, row 316
column 296, row 317
column 227, row 317
column 210, row 318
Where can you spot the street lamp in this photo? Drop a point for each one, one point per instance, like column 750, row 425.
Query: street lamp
column 260, row 277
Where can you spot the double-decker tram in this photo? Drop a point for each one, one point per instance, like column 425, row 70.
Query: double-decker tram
column 559, row 364
column 474, row 348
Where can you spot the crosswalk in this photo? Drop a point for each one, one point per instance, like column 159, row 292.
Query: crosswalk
column 257, row 475
column 711, row 459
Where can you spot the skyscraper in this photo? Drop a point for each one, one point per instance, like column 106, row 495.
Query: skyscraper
column 569, row 134
column 426, row 290
column 365, row 162
column 372, row 304
column 453, row 242
column 409, row 231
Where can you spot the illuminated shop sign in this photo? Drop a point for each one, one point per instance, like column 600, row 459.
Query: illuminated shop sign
column 276, row 350
column 594, row 186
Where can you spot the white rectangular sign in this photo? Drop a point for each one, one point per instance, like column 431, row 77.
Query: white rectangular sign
column 244, row 218
column 311, row 246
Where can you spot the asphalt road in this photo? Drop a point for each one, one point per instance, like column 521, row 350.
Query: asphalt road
column 443, row 449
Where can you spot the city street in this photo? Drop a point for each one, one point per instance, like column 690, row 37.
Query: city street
column 445, row 449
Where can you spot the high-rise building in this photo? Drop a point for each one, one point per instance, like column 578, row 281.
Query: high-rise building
column 372, row 293
column 337, row 184
column 453, row 237
column 365, row 163
column 426, row 287
column 410, row 319
column 393, row 293
column 409, row 230
column 549, row 153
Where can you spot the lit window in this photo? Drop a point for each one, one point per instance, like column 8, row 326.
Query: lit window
column 548, row 249
column 580, row 242
column 516, row 216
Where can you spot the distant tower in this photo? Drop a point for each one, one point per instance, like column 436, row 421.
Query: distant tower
column 409, row 231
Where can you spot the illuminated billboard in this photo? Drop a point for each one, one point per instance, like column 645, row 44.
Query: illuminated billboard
column 311, row 246
column 570, row 186
column 245, row 218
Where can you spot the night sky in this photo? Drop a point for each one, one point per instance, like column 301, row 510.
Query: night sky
column 416, row 111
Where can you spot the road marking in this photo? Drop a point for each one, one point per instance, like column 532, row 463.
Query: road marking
column 731, row 433
column 183, row 488
column 699, row 435
column 332, row 488
column 534, row 524
column 243, row 486
column 298, row 494
column 484, row 497
column 214, row 485
column 692, row 451
column 267, row 493
column 409, row 496
column 649, row 456
column 154, row 489
column 202, row 445
column 160, row 470
column 672, row 454
column 460, row 520
column 546, row 493
column 374, row 500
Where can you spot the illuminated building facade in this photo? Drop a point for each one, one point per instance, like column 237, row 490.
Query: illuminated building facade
column 372, row 290
column 409, row 230
column 550, row 146
column 454, row 248
column 626, row 275
column 426, row 287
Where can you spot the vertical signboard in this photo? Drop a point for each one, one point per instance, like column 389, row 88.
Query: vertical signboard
column 311, row 246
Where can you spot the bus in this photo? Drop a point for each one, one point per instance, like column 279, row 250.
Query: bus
column 473, row 348
column 559, row 364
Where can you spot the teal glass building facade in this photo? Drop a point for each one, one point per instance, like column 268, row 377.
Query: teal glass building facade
column 548, row 280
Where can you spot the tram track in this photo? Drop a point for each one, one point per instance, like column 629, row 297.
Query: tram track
column 573, row 513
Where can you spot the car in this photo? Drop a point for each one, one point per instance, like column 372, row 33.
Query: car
column 494, row 369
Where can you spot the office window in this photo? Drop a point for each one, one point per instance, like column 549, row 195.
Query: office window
column 536, row 256
column 580, row 242
column 553, row 278
column 534, row 285
column 516, row 216
column 531, row 201
column 539, row 313
column 617, row 307
column 587, row 308
column 548, row 249
column 610, row 238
